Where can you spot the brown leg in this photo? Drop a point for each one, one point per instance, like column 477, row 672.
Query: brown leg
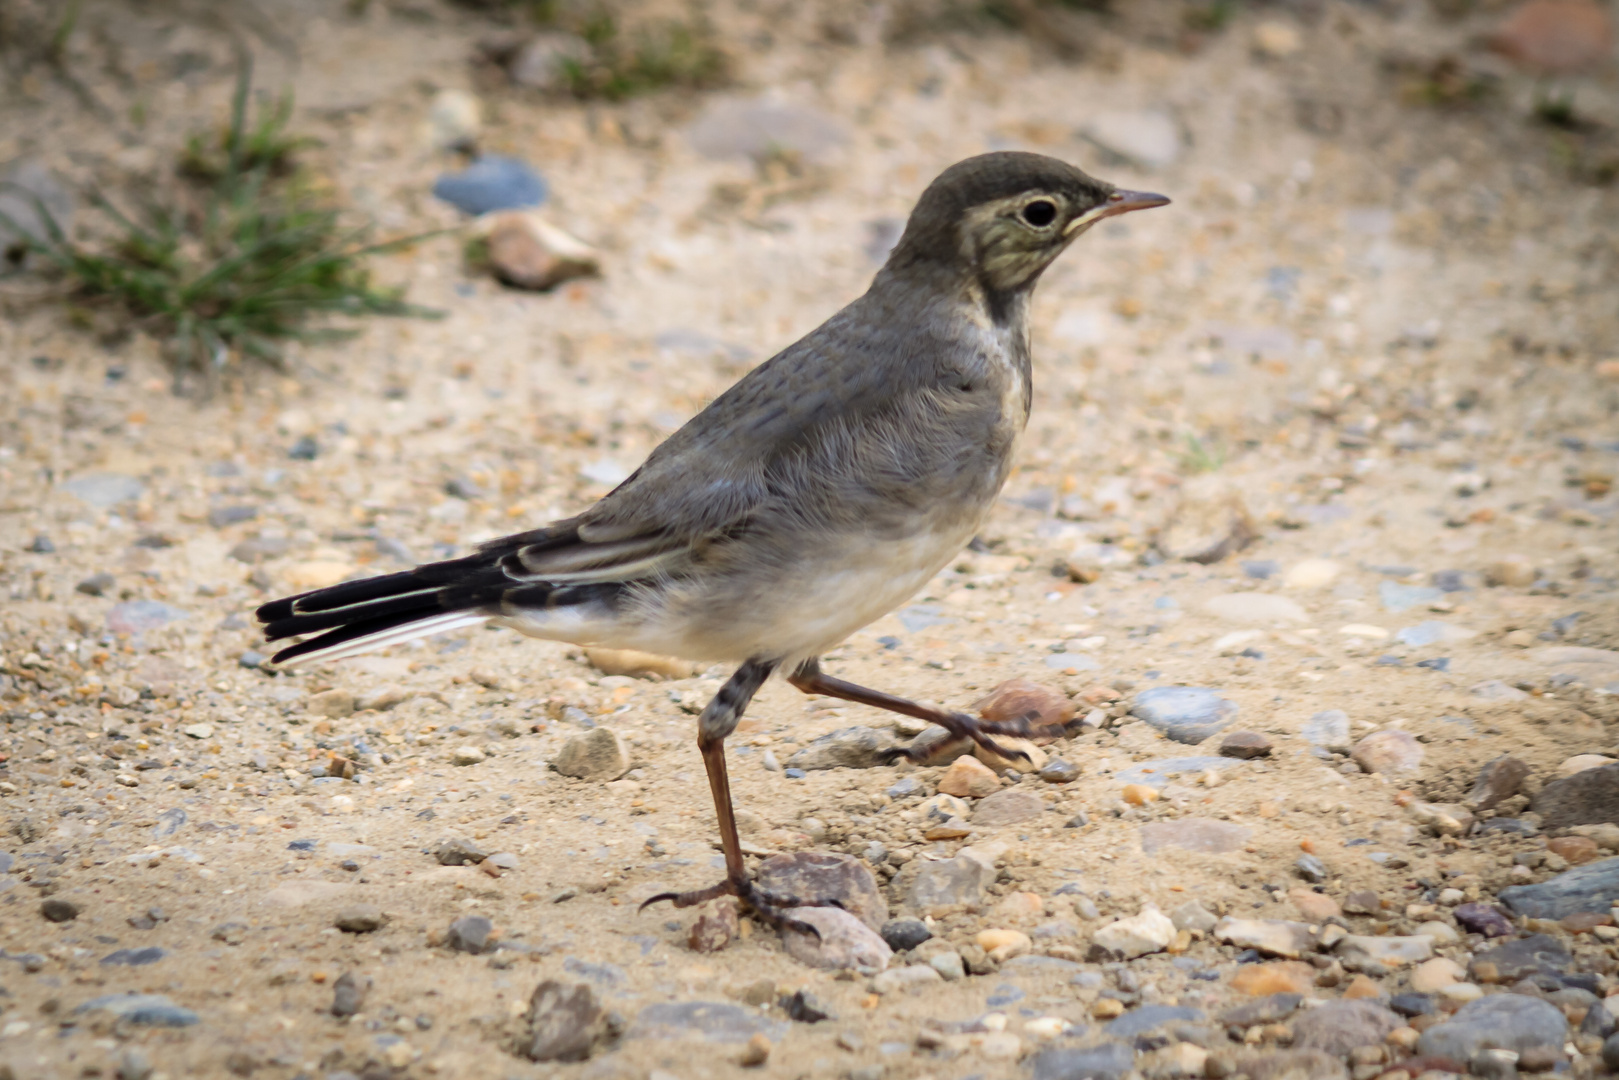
column 719, row 719
column 812, row 680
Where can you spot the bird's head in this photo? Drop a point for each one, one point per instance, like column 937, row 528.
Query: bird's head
column 1002, row 218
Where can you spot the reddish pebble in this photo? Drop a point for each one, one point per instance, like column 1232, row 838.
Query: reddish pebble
column 1022, row 699
column 1555, row 37
column 1576, row 849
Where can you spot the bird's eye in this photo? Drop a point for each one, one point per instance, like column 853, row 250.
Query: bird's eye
column 1040, row 213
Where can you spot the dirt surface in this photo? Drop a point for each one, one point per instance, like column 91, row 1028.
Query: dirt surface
column 1373, row 340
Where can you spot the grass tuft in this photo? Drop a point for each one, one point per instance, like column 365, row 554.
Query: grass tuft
column 237, row 261
column 655, row 56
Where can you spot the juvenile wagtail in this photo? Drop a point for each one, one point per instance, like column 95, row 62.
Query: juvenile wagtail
column 817, row 494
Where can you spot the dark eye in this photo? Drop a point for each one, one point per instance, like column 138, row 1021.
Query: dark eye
column 1040, row 213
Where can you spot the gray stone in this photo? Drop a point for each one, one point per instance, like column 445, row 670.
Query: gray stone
column 1502, row 1021
column 1161, row 771
column 96, row 584
column 348, row 993
column 1193, row 834
column 470, row 934
column 358, row 918
column 563, row 1020
column 961, row 880
column 1498, row 779
column 841, row 941
column 1589, row 797
column 602, row 974
column 1245, row 745
column 1007, row 808
column 1109, row 1061
column 133, row 1064
column 1143, row 1019
column 491, row 183
column 55, row 909
column 1397, row 597
column 1255, row 609
column 1584, row 888
column 1058, row 771
column 1486, row 919
column 708, row 1021
column 1496, row 690
column 1537, row 954
column 849, row 748
column 1187, row 714
column 1338, row 1027
column 1148, row 138
column 1391, row 752
column 598, row 754
column 139, row 616
column 104, row 490
column 221, row 517
column 905, row 934
column 810, row 875
column 755, row 129
column 905, row 787
column 134, row 957
column 1328, row 729
column 804, row 1007
column 1265, row 1010
column 458, row 851
column 1193, row 916
column 144, row 1010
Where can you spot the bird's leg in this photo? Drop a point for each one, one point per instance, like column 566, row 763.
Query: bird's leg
column 812, row 680
column 719, row 719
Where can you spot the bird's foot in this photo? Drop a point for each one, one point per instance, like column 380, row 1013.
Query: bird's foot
column 768, row 907
column 981, row 732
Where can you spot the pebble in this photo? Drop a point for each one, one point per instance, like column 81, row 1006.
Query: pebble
column 1432, row 632
column 57, row 910
column 967, row 777
column 1058, row 771
column 1575, row 850
column 1277, row 40
column 1496, row 690
column 717, row 926
column 1266, row 1010
column 1499, row 779
column 1280, row 977
column 1109, row 1061
column 1024, row 699
column 1002, row 944
column 1397, row 597
column 1187, row 714
column 946, row 882
column 1236, row 642
column 528, row 252
column 349, row 993
column 470, row 934
column 1149, row 931
column 1537, row 954
column 358, row 918
column 1009, row 808
column 949, row 965
column 96, row 584
column 1328, row 729
column 1339, row 1027
column 903, row 935
column 813, row 875
column 1580, row 762
column 133, row 1064
column 1311, row 868
column 1138, row 794
column 1145, row 1018
column 41, row 545
column 1193, row 916
column 1203, row 835
column 1391, row 752
column 454, row 119
column 1362, row 902
column 198, row 731
column 844, row 942
column 1311, row 574
column 1255, row 608
column 1441, row 933
column 1245, row 745
column 491, row 183
column 458, row 851
column 1272, row 937
column 755, row 129
column 1514, row 571
column 1148, row 138
column 1315, row 907
column 1435, row 974
column 1364, row 630
column 1606, row 834
column 847, row 748
column 1555, row 37
column 105, row 490
column 1505, row 1021
column 1443, row 819
column 1362, row 950
column 1587, row 797
column 943, row 807
column 562, row 1022
column 139, row 616
column 141, row 1010
column 599, row 754
column 1485, row 919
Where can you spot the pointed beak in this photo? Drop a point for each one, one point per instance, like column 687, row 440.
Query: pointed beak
column 1120, row 202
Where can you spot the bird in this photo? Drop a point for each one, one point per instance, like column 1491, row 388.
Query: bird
column 818, row 493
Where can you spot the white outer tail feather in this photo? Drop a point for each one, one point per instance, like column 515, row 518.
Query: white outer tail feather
column 398, row 635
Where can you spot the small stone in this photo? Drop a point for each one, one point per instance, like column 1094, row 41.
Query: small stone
column 105, row 490
column 138, row 616
column 1145, row 1018
column 757, row 1052
column 1278, row 40
column 1580, row 762
column 1362, row 950
column 1338, row 1027
column 717, row 926
column 1281, row 977
column 1008, row 808
column 1362, row 902
column 1441, row 933
column 821, row 876
column 1537, row 954
column 1203, row 835
column 1576, row 850
column 41, row 545
column 1138, row 794
column 1584, row 888
column 949, row 965
column 1499, row 779
column 1193, row 916
column 1514, row 571
column 133, row 1064
column 1329, row 730
column 967, row 777
column 848, row 748
column 1496, row 690
column 1255, row 609
column 58, row 910
column 454, row 118
column 198, row 731
column 1435, row 974
column 1312, row 574
column 1397, row 597
column 96, row 584
column 1266, row 1010
column 316, row 574
column 1042, row 707
column 948, row 882
column 470, row 934
column 1361, row 988
column 806, row 1008
column 1503, row 1021
column 599, row 754
column 1315, row 907
column 563, row 1022
column 1148, row 932
column 1107, row 1009
column 1588, row 796
column 1058, row 771
column 844, row 942
column 1311, row 869
column 1606, row 834
column 491, row 183
column 359, row 918
column 142, row 1010
column 467, row 755
column 903, row 935
column 1442, row 819
column 909, row 977
column 1486, row 919
column 528, row 252
column 304, row 449
column 222, row 517
column 1146, row 138
column 1244, row 745
column 1555, row 37
column 1187, row 714
column 348, row 993
column 1273, row 937
column 1391, row 752
column 458, row 851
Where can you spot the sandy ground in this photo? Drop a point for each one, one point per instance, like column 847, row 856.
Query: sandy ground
column 1385, row 331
